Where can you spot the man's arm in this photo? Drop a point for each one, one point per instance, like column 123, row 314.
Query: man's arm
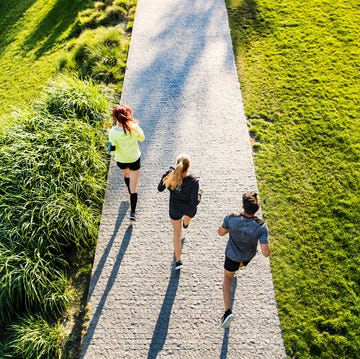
column 265, row 249
column 222, row 231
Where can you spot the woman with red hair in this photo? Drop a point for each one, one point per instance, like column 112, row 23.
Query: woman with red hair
column 124, row 140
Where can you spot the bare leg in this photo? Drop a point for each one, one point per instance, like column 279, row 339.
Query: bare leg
column 186, row 220
column 227, row 288
column 176, row 224
column 134, row 179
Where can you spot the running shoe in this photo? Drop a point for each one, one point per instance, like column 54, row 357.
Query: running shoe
column 178, row 265
column 227, row 318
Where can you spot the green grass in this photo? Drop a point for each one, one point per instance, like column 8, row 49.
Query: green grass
column 99, row 54
column 53, row 177
column 34, row 337
column 54, row 164
column 298, row 67
column 33, row 35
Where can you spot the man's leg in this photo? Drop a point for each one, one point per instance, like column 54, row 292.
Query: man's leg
column 227, row 288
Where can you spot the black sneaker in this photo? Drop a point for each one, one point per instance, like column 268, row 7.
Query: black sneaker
column 227, row 318
column 178, row 265
column 132, row 216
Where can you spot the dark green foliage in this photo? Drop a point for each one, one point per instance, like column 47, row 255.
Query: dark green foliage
column 54, row 169
column 53, row 165
column 69, row 98
column 53, row 177
column 30, row 282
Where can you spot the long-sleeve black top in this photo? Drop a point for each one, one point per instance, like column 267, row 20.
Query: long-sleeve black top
column 187, row 196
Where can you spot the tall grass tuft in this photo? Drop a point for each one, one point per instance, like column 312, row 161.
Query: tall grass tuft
column 34, row 337
column 67, row 97
column 6, row 351
column 53, row 177
column 108, row 13
column 98, row 54
column 30, row 281
column 54, row 170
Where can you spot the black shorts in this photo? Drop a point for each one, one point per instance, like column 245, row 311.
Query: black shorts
column 176, row 213
column 134, row 166
column 232, row 266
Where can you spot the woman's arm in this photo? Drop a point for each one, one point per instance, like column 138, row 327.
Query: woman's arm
column 139, row 134
column 265, row 249
column 195, row 194
column 161, row 185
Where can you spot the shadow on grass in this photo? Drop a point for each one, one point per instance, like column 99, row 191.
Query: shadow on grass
column 225, row 343
column 61, row 18
column 11, row 12
column 247, row 20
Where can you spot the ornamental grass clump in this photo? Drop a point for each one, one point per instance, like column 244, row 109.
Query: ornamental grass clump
column 31, row 282
column 34, row 337
column 98, row 54
column 53, row 177
column 54, row 170
column 108, row 13
column 68, row 98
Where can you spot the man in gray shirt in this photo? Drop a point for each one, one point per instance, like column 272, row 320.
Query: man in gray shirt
column 245, row 231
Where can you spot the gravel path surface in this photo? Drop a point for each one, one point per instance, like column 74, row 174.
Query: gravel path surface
column 183, row 87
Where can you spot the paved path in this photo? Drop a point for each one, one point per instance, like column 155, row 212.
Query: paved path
column 182, row 84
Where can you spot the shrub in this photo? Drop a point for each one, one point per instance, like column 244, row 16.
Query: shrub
column 53, row 170
column 34, row 337
column 68, row 97
column 29, row 282
column 98, row 54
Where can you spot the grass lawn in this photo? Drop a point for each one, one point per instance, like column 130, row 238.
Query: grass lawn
column 298, row 65
column 32, row 37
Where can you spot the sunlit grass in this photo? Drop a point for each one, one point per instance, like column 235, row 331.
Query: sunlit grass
column 34, row 337
column 298, row 67
column 99, row 54
column 33, row 36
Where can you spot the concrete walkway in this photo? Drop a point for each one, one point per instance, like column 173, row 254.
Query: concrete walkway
column 182, row 84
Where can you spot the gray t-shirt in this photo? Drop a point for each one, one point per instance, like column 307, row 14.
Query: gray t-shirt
column 244, row 234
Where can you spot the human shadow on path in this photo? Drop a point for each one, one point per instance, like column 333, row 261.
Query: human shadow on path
column 111, row 281
column 225, row 344
column 100, row 266
column 162, row 324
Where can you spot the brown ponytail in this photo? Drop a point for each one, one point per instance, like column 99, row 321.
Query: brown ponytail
column 175, row 178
